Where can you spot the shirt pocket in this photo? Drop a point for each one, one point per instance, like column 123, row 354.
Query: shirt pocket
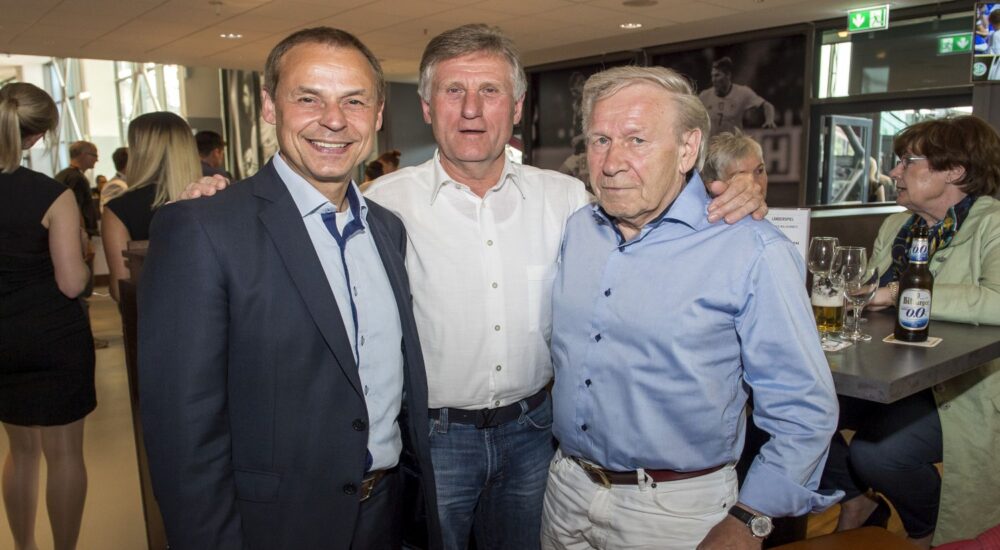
column 540, row 280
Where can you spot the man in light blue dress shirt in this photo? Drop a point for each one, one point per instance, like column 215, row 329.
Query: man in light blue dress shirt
column 662, row 324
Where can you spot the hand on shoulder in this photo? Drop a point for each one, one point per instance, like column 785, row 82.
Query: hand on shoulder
column 205, row 187
column 735, row 199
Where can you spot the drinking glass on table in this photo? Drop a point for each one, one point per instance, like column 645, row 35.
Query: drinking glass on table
column 851, row 264
column 821, row 254
column 827, row 289
column 858, row 294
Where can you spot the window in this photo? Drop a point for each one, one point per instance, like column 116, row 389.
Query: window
column 850, row 170
column 869, row 87
column 904, row 57
column 145, row 88
column 65, row 83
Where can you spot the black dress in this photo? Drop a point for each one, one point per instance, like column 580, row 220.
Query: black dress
column 135, row 209
column 46, row 347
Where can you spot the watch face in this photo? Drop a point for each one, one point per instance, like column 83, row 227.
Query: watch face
column 760, row 526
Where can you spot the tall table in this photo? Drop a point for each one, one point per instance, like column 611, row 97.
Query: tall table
column 882, row 372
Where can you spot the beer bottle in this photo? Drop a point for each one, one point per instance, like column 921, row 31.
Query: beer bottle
column 913, row 308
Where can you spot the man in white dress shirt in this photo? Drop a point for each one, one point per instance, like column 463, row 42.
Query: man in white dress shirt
column 484, row 236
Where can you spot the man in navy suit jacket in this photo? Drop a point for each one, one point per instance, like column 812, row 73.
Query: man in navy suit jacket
column 281, row 378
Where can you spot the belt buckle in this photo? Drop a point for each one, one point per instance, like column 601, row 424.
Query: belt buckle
column 595, row 471
column 485, row 417
column 368, row 485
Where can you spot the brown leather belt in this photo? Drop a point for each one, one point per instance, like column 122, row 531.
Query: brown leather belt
column 491, row 418
column 607, row 478
column 368, row 484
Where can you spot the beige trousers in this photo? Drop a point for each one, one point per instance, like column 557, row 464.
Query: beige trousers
column 579, row 514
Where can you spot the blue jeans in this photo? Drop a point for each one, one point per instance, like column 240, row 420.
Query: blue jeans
column 493, row 479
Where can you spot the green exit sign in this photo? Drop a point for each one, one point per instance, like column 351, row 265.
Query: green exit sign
column 875, row 18
column 955, row 43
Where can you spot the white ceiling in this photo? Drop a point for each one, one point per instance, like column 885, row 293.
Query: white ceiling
column 187, row 32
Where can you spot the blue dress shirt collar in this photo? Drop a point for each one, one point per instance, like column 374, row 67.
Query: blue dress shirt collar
column 689, row 208
column 308, row 199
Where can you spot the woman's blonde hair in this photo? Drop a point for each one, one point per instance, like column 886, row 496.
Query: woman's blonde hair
column 162, row 151
column 25, row 110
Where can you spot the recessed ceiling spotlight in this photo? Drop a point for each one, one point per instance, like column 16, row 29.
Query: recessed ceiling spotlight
column 631, row 26
column 639, row 3
column 231, row 35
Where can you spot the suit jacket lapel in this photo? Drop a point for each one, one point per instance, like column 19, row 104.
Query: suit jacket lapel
column 284, row 224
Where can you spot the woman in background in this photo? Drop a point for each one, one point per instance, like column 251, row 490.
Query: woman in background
column 390, row 161
column 163, row 160
column 947, row 174
column 46, row 348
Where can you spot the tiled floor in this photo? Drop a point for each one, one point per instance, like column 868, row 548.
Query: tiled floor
column 112, row 518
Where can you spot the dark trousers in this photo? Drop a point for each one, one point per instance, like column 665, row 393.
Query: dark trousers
column 380, row 520
column 894, row 449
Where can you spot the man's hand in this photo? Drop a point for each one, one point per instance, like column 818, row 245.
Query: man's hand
column 205, row 187
column 730, row 534
column 736, row 198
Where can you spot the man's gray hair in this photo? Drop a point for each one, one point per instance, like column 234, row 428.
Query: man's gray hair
column 691, row 113
column 725, row 149
column 465, row 40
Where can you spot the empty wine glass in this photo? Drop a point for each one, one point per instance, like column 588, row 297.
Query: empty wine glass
column 822, row 251
column 859, row 285
column 858, row 295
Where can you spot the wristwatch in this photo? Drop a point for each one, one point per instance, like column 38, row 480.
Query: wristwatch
column 760, row 526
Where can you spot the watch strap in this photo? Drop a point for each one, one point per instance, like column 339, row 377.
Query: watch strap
column 748, row 517
column 741, row 514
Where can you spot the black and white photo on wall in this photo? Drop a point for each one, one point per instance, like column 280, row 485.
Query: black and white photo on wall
column 756, row 86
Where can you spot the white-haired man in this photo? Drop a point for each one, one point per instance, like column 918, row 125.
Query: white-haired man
column 661, row 321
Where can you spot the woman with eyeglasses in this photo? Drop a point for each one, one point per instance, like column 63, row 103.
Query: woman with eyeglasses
column 947, row 172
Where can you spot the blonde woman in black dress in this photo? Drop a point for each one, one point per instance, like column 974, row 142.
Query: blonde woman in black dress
column 46, row 348
column 163, row 160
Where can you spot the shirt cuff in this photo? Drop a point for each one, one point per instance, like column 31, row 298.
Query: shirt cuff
column 773, row 494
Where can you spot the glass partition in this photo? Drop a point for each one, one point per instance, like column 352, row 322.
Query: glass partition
column 842, row 138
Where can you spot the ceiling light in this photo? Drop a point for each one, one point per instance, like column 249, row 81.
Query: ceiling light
column 640, row 3
column 231, row 35
column 843, row 34
column 631, row 26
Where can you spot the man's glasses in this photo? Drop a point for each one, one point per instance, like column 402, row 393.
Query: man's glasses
column 907, row 160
